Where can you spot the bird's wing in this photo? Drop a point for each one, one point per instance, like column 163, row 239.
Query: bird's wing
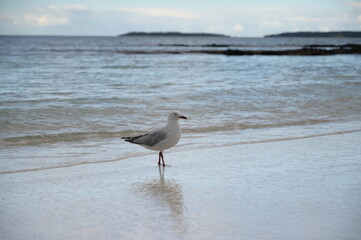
column 149, row 139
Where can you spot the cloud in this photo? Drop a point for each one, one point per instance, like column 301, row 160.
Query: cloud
column 31, row 19
column 43, row 20
column 324, row 29
column 217, row 28
column 272, row 24
column 42, row 17
column 235, row 21
column 162, row 12
column 273, row 10
column 306, row 19
column 7, row 19
column 80, row 16
column 69, row 7
column 238, row 28
column 355, row 14
column 355, row 4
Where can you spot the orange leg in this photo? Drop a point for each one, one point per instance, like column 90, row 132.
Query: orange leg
column 161, row 158
column 161, row 154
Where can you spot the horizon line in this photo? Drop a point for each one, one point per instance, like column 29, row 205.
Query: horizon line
column 119, row 35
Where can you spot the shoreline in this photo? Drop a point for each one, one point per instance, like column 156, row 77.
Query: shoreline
column 179, row 149
column 248, row 191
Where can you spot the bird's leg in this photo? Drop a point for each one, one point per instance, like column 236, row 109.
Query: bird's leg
column 161, row 154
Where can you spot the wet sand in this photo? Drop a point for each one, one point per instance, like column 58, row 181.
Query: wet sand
column 292, row 189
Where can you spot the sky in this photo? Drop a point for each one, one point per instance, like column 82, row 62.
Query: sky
column 242, row 18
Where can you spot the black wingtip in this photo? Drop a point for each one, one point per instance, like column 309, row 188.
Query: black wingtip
column 131, row 139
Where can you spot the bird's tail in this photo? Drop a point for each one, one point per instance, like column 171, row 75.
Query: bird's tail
column 132, row 139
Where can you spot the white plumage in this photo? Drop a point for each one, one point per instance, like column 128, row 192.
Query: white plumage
column 162, row 138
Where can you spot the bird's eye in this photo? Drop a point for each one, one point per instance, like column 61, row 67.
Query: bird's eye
column 175, row 114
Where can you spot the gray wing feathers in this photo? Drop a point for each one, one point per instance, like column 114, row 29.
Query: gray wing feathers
column 149, row 139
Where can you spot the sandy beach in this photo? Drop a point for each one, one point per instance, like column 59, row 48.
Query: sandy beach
column 307, row 188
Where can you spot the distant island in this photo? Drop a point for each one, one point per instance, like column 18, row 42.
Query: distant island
column 318, row 34
column 170, row 34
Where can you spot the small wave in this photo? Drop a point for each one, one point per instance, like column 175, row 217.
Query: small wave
column 68, row 50
column 80, row 136
column 289, row 138
column 64, row 137
column 357, row 83
column 241, row 126
column 124, row 67
column 145, row 154
column 60, row 98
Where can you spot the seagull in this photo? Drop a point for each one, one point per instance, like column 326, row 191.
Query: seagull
column 162, row 138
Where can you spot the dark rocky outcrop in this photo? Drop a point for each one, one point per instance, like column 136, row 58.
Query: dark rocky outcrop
column 318, row 34
column 308, row 50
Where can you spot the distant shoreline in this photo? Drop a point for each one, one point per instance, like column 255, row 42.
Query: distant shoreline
column 318, row 34
column 334, row 34
column 170, row 34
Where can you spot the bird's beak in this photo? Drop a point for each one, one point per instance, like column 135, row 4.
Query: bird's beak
column 183, row 117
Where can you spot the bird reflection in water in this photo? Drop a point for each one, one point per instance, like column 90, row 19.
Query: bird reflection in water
column 169, row 195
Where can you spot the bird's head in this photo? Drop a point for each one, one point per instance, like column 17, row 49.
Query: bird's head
column 175, row 115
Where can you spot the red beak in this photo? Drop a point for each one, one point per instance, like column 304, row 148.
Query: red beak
column 183, row 117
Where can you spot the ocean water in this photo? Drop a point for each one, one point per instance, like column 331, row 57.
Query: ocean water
column 67, row 101
column 270, row 149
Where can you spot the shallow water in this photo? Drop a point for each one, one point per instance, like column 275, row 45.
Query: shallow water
column 76, row 96
column 294, row 189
